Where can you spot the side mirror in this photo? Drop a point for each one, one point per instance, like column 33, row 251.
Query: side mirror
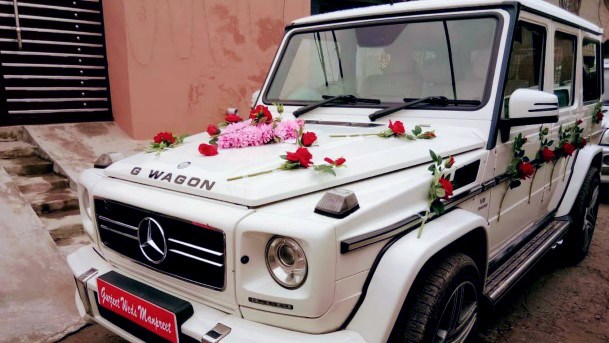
column 529, row 107
column 255, row 96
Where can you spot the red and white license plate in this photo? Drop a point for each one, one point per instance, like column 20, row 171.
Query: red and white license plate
column 140, row 311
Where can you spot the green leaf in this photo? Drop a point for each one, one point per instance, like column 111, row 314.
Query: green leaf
column 432, row 168
column 325, row 168
column 434, row 157
column 417, row 130
column 437, row 207
column 284, row 157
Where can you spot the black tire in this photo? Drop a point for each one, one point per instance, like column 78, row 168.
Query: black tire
column 583, row 214
column 426, row 310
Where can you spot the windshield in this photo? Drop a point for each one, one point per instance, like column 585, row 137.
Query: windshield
column 389, row 62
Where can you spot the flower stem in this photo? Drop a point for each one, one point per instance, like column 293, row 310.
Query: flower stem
column 507, row 189
column 251, row 175
column 427, row 212
column 565, row 171
column 552, row 174
column 355, row 135
column 532, row 182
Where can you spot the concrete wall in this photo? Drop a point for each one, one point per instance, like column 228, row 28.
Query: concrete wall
column 178, row 64
column 592, row 10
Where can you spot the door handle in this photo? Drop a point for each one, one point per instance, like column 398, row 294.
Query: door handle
column 17, row 26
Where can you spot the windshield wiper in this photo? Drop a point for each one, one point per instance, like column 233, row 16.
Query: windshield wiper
column 352, row 99
column 430, row 100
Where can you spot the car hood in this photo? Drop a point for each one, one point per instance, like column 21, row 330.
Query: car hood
column 183, row 169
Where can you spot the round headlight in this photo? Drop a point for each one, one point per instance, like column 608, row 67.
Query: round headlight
column 286, row 262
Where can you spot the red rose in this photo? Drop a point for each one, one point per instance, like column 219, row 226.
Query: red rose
column 579, row 121
column 213, row 130
column 208, row 149
column 599, row 116
column 547, row 155
column 584, row 142
column 428, row 135
column 308, row 138
column 232, row 118
column 302, row 156
column 339, row 161
column 166, row 137
column 447, row 186
column 261, row 114
column 397, row 128
column 525, row 170
column 450, row 162
column 568, row 148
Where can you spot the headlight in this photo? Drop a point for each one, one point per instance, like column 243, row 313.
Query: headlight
column 286, row 262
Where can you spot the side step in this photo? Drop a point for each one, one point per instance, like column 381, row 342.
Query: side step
column 502, row 279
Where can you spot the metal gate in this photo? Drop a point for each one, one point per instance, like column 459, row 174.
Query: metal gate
column 53, row 62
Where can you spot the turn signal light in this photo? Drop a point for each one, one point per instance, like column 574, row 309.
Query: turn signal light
column 337, row 203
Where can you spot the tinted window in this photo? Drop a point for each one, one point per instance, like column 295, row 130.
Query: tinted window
column 564, row 67
column 591, row 73
column 526, row 63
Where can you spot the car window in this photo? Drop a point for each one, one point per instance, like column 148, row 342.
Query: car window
column 526, row 62
column 564, row 67
column 389, row 62
column 591, row 74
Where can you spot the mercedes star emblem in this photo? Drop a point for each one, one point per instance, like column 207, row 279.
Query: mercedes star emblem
column 152, row 240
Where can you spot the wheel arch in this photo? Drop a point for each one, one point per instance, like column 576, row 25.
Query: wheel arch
column 458, row 230
column 589, row 156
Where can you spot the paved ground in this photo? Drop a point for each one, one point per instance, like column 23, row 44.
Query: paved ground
column 552, row 304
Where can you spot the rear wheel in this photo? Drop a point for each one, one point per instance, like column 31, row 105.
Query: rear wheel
column 443, row 304
column 583, row 214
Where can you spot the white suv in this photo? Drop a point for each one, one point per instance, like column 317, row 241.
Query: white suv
column 208, row 242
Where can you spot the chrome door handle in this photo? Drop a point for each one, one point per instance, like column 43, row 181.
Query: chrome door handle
column 17, row 26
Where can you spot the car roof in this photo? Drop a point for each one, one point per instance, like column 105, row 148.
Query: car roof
column 425, row 5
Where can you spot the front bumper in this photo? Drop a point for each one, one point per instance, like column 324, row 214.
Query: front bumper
column 201, row 322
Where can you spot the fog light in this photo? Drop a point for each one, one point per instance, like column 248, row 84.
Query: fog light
column 286, row 262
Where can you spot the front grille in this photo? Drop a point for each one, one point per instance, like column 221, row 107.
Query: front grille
column 193, row 252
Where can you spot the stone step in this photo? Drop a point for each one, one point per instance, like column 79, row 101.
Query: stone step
column 41, row 183
column 63, row 226
column 68, row 246
column 17, row 149
column 27, row 166
column 52, row 201
column 11, row 133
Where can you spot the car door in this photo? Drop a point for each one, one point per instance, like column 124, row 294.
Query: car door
column 516, row 209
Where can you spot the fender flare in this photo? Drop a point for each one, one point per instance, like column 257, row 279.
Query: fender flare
column 585, row 158
column 387, row 290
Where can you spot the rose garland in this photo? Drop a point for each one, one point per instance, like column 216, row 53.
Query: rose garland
column 397, row 130
column 597, row 113
column 300, row 159
column 520, row 168
column 165, row 140
column 441, row 188
column 544, row 154
column 259, row 129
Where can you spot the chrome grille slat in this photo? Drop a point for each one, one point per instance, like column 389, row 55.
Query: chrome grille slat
column 117, row 232
column 117, row 223
column 196, row 258
column 196, row 247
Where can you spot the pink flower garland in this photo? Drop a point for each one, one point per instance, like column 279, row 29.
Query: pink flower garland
column 244, row 134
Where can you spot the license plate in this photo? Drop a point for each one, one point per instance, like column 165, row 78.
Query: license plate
column 136, row 308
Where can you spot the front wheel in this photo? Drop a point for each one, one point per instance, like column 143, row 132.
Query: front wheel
column 583, row 215
column 443, row 304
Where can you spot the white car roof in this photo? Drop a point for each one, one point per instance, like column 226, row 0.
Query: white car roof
column 414, row 6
